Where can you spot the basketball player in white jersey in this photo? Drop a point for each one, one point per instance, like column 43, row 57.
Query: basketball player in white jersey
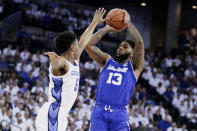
column 64, row 77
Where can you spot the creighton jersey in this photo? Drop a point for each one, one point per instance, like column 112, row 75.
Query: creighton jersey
column 62, row 95
column 63, row 90
column 116, row 83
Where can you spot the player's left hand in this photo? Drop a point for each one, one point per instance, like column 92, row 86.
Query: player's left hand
column 52, row 55
column 56, row 60
column 127, row 18
column 98, row 15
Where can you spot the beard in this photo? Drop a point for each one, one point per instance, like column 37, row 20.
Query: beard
column 122, row 57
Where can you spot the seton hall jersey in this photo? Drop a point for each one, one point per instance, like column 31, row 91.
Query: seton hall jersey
column 63, row 89
column 116, row 83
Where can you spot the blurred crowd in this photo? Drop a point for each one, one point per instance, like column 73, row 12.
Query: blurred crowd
column 54, row 16
column 172, row 76
column 51, row 15
column 165, row 98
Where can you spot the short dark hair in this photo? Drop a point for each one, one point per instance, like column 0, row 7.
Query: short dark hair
column 64, row 40
column 131, row 43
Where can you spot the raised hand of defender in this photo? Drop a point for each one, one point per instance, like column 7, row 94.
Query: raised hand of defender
column 127, row 18
column 98, row 15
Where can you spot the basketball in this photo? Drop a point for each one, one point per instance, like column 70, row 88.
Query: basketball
column 115, row 18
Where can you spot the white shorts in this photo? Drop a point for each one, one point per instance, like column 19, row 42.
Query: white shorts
column 57, row 121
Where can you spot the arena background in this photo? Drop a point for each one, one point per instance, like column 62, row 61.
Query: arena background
column 165, row 97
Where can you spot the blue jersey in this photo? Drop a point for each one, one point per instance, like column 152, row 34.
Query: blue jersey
column 116, row 83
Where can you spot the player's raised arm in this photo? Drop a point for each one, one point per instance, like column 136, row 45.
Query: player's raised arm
column 87, row 35
column 58, row 63
column 94, row 52
column 138, row 55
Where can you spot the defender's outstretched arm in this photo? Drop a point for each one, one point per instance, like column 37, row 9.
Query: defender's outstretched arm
column 87, row 35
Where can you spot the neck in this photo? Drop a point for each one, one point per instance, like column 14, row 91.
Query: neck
column 128, row 59
column 68, row 56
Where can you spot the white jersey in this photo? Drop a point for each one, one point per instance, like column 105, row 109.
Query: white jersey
column 63, row 89
column 62, row 95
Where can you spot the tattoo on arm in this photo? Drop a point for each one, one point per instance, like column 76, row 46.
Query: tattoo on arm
column 135, row 35
column 138, row 60
column 96, row 54
column 97, row 36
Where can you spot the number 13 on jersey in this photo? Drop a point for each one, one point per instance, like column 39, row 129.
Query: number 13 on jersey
column 117, row 78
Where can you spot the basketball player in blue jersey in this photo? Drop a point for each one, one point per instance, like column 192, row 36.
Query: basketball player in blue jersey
column 117, row 79
column 64, row 77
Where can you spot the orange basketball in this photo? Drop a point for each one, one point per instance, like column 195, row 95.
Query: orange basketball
column 115, row 18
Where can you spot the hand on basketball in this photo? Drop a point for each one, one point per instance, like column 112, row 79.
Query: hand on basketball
column 98, row 16
column 127, row 18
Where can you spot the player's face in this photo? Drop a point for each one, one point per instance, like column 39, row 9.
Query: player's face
column 75, row 47
column 124, row 48
column 124, row 52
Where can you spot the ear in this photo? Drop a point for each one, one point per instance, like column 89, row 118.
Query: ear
column 131, row 53
column 72, row 47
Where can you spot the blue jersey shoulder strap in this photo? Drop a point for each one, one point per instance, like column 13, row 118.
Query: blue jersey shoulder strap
column 106, row 64
column 131, row 67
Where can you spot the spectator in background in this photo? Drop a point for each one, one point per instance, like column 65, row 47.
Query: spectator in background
column 173, row 127
column 3, row 63
column 11, row 63
column 37, row 88
column 169, row 94
column 44, row 82
column 36, row 57
column 149, row 113
column 183, row 128
column 7, row 51
column 89, row 65
column 192, row 119
column 164, row 124
column 159, row 107
column 146, row 74
column 43, row 59
column 165, row 81
column 190, row 73
column 154, row 81
column 167, row 116
column 184, row 83
column 46, row 20
column 157, row 116
column 143, row 120
column 161, row 89
column 2, row 88
column 177, row 100
column 133, row 119
column 24, row 89
column 143, row 93
column 24, row 55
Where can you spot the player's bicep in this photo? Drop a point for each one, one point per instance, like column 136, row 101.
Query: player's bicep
column 138, row 60
column 96, row 54
column 138, row 68
column 59, row 67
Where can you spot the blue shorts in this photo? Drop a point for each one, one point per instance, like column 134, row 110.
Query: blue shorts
column 106, row 119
